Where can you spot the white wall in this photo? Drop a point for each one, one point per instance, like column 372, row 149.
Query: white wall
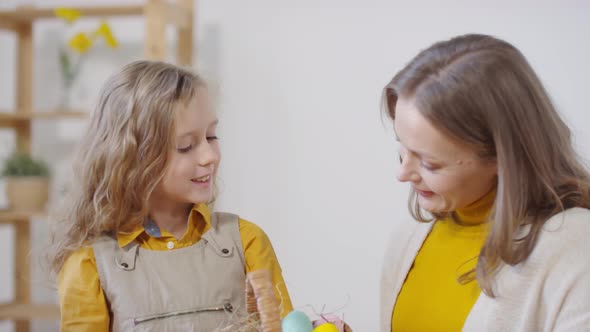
column 306, row 153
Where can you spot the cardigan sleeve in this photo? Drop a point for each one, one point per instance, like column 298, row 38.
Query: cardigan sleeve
column 571, row 286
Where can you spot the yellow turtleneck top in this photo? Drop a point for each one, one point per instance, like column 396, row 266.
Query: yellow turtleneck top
column 431, row 298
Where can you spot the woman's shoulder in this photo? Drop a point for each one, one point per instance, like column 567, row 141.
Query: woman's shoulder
column 564, row 235
column 407, row 229
column 405, row 236
column 570, row 224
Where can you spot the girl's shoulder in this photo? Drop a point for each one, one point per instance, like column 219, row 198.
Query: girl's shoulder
column 252, row 232
column 249, row 231
column 81, row 256
column 245, row 226
column 77, row 266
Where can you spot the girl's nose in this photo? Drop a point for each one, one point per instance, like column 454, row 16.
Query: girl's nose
column 208, row 154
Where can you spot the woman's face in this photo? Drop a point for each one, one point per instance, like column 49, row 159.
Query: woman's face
column 446, row 174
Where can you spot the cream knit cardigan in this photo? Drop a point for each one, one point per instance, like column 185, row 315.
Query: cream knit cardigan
column 550, row 291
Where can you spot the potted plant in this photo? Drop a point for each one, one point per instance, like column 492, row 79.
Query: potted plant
column 27, row 183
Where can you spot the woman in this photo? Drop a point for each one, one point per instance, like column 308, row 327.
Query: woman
column 500, row 198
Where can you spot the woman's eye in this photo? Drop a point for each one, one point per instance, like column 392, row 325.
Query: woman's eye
column 429, row 167
column 212, row 138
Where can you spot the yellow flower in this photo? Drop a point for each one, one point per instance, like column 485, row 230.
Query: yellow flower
column 80, row 43
column 68, row 15
column 104, row 30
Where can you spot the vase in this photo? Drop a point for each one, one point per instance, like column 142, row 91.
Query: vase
column 70, row 66
column 27, row 193
column 65, row 99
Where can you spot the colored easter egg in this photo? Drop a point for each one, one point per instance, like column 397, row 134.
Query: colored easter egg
column 326, row 327
column 330, row 318
column 296, row 321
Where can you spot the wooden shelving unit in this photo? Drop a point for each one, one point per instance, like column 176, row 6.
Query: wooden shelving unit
column 12, row 216
column 29, row 311
column 12, row 119
column 157, row 15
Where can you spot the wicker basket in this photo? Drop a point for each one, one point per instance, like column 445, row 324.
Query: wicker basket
column 261, row 300
column 262, row 303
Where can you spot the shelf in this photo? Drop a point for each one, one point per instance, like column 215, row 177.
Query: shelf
column 28, row 14
column 42, row 115
column 157, row 16
column 173, row 13
column 17, row 311
column 10, row 216
column 9, row 119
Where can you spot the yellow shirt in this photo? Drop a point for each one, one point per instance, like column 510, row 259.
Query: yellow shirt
column 83, row 304
column 431, row 298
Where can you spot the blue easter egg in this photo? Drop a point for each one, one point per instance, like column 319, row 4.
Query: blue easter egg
column 296, row 321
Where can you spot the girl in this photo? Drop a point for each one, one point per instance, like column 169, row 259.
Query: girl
column 140, row 249
column 500, row 197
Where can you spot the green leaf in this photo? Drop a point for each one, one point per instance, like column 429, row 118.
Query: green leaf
column 66, row 64
column 24, row 165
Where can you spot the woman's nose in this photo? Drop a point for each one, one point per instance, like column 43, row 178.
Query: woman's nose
column 407, row 171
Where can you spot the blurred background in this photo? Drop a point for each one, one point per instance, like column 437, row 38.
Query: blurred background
column 307, row 154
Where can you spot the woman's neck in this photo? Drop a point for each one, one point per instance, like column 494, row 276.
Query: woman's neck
column 477, row 212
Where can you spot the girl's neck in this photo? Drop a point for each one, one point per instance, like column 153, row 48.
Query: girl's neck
column 170, row 216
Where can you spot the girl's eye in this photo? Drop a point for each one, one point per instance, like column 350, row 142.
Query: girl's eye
column 185, row 149
column 212, row 138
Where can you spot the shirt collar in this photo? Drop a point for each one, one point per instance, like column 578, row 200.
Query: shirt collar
column 150, row 227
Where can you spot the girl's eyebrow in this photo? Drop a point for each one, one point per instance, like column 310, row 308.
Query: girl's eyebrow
column 190, row 133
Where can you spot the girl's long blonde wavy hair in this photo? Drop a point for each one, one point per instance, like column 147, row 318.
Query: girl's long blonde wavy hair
column 482, row 91
column 122, row 156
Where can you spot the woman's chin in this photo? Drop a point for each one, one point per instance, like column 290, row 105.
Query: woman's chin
column 431, row 206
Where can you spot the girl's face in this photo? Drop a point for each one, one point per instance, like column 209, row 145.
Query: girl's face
column 195, row 155
column 446, row 174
